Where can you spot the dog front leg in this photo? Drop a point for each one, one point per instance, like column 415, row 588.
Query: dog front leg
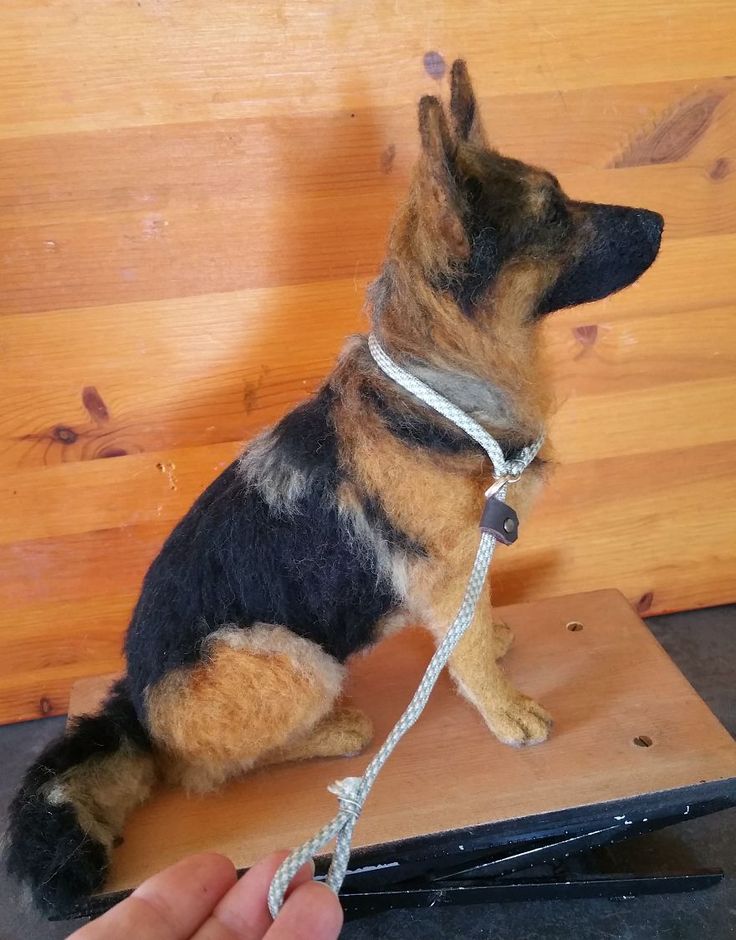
column 513, row 717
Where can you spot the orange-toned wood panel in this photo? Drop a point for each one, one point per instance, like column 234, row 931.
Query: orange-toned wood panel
column 192, row 203
column 307, row 198
column 207, row 369
column 75, row 65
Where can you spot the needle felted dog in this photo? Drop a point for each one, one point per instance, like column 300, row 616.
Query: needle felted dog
column 357, row 513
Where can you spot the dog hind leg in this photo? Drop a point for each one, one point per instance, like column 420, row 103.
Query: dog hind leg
column 345, row 732
column 256, row 691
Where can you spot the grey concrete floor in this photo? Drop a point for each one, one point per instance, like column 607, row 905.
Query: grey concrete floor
column 703, row 644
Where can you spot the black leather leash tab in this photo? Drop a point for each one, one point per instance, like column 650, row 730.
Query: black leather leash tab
column 500, row 520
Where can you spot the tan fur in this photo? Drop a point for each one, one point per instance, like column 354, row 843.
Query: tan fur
column 390, row 563
column 503, row 638
column 255, row 693
column 306, row 656
column 420, row 322
column 342, row 733
column 513, row 717
column 498, row 346
column 104, row 790
column 435, row 499
column 438, row 501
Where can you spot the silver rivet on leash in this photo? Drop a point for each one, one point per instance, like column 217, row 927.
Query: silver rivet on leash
column 499, row 523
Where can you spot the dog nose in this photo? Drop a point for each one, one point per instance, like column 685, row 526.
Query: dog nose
column 639, row 229
column 652, row 224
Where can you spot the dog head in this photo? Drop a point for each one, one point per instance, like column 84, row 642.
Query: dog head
column 480, row 228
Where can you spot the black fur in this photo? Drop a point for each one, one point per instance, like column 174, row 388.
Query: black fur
column 468, row 284
column 623, row 244
column 418, row 430
column 236, row 559
column 306, row 438
column 380, row 523
column 45, row 839
column 47, row 848
column 427, row 430
column 492, row 193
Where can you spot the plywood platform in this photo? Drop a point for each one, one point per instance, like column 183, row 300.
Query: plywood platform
column 607, row 684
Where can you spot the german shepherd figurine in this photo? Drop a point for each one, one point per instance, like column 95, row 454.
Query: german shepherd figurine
column 356, row 514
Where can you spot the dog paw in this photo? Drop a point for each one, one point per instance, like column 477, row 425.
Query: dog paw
column 520, row 721
column 503, row 637
column 355, row 730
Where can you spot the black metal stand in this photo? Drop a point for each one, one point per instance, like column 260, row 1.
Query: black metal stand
column 360, row 904
column 472, row 867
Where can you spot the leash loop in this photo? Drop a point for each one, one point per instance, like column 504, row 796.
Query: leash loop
column 352, row 792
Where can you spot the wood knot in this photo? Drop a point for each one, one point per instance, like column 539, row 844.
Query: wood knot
column 95, row 406
column 434, row 64
column 645, row 602
column 675, row 134
column 720, row 169
column 64, row 434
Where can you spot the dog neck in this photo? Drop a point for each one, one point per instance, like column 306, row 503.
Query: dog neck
column 487, row 366
column 484, row 401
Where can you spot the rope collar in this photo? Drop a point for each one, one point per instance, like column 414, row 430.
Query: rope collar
column 498, row 523
column 510, row 468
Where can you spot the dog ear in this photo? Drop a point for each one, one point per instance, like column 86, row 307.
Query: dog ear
column 437, row 142
column 464, row 112
column 439, row 192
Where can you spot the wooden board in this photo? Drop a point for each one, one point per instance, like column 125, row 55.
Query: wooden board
column 606, row 684
column 193, row 201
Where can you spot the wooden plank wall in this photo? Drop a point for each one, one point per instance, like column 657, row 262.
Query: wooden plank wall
column 194, row 196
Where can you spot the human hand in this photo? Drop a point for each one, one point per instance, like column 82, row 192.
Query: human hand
column 200, row 898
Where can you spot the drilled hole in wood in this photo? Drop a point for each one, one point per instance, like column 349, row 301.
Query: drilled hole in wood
column 643, row 741
column 574, row 626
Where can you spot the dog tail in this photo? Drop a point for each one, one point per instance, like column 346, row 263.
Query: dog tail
column 71, row 807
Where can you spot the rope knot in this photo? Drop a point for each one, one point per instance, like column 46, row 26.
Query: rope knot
column 346, row 790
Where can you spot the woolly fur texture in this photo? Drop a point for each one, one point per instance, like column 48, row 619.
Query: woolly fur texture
column 355, row 514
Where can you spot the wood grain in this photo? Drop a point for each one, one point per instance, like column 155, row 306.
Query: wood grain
column 605, row 685
column 192, row 204
column 161, row 64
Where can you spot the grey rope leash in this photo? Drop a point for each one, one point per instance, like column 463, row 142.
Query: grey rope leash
column 352, row 792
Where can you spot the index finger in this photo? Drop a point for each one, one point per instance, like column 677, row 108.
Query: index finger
column 243, row 913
